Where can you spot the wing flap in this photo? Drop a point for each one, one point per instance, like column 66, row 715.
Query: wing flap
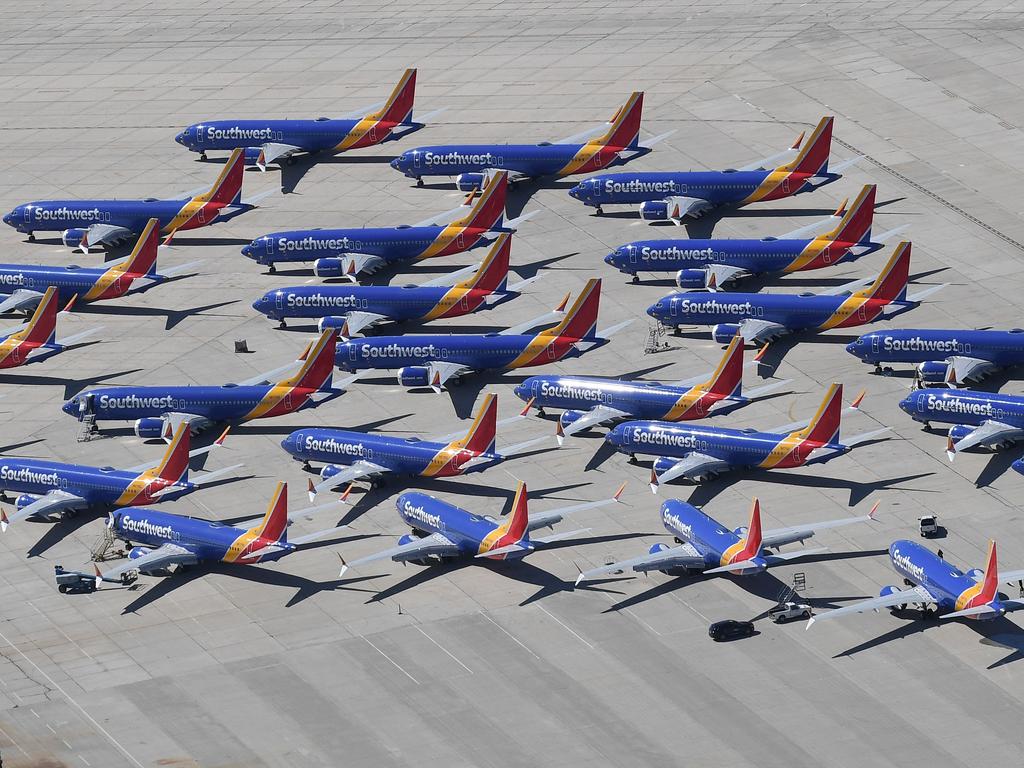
column 428, row 546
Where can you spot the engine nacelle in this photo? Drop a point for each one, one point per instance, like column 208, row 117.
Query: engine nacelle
column 741, row 531
column 136, row 552
column 73, row 237
column 656, row 548
column 467, row 182
column 959, row 431
column 570, row 417
column 407, row 538
column 24, row 500
column 692, row 278
column 331, row 321
column 975, row 573
column 723, row 332
column 663, row 464
column 888, row 590
column 330, row 470
column 414, row 376
column 252, row 155
column 329, row 266
column 654, row 210
column 149, row 428
column 933, row 371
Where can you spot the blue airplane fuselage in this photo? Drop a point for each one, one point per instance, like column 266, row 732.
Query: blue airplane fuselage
column 491, row 351
column 534, row 160
column 716, row 187
column 1002, row 348
column 311, row 135
column 408, row 456
column 97, row 485
column 923, row 567
column 69, row 281
column 705, row 534
column 963, row 406
column 59, row 215
column 408, row 302
column 217, row 403
column 795, row 312
column 466, row 530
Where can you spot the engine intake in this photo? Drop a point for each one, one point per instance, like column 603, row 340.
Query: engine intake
column 414, row 376
column 654, row 210
column 467, row 182
column 149, row 428
column 933, row 371
column 692, row 278
column 723, row 333
column 329, row 266
column 73, row 237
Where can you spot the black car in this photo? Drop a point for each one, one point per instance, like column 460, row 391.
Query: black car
column 730, row 629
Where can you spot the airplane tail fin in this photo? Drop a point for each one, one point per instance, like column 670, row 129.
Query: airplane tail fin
column 728, row 376
column 855, row 226
column 516, row 525
column 274, row 525
column 481, row 435
column 174, row 466
column 813, row 157
column 990, row 583
column 318, row 369
column 824, row 426
column 398, row 108
column 624, row 131
column 752, row 541
column 580, row 322
column 227, row 189
column 42, row 326
column 488, row 209
column 142, row 260
column 492, row 276
column 891, row 283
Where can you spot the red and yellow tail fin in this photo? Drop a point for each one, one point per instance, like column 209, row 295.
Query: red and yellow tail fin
column 516, row 525
column 752, row 541
column 624, row 130
column 482, row 434
column 990, row 584
column 227, row 189
column 891, row 283
column 813, row 157
column 855, row 226
column 318, row 369
column 580, row 322
column 489, row 208
column 493, row 272
column 728, row 376
column 398, row 108
column 174, row 466
column 142, row 260
column 274, row 525
column 824, row 426
column 42, row 326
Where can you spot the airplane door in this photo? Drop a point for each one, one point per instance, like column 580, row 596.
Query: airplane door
column 920, row 405
column 202, row 214
column 279, row 299
column 459, row 241
column 862, row 314
column 634, row 253
column 352, row 353
column 464, row 304
column 673, row 308
column 874, row 345
column 416, row 158
column 826, row 255
column 785, row 185
column 288, row 401
column 551, row 352
column 373, row 133
column 28, row 214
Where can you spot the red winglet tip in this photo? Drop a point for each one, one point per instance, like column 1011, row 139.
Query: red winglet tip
column 345, row 494
column 761, row 353
column 874, row 509
column 223, row 436
column 71, row 303
column 841, row 210
column 527, row 407
column 859, row 399
column 618, row 493
column 561, row 306
column 799, row 140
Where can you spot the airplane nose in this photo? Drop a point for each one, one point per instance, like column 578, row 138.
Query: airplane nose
column 396, row 163
column 247, row 250
column 907, row 404
column 522, row 391
column 614, row 437
column 576, row 191
column 289, row 443
column 610, row 258
column 70, row 407
column 852, row 348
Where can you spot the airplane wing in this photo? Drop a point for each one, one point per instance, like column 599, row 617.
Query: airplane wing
column 549, row 518
column 596, row 415
column 853, row 407
column 683, row 556
column 741, row 565
column 20, row 299
column 694, row 465
column 434, row 544
column 749, row 395
column 988, row 433
column 903, row 597
column 451, row 278
column 162, row 557
column 357, row 321
column 680, row 206
column 218, row 443
column 54, row 501
column 846, row 288
column 819, row 455
column 754, row 331
column 438, row 373
column 960, row 368
column 777, row 537
column 194, row 421
column 723, row 273
column 355, row 263
column 272, row 151
column 349, row 474
column 97, row 234
column 74, row 338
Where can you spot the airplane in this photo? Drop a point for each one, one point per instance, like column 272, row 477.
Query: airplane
column 169, row 540
column 698, row 453
column 265, row 141
column 157, row 410
column 355, row 307
column 988, row 419
column 348, row 252
column 761, row 317
column 676, row 195
column 430, row 360
column 714, row 263
column 705, row 546
column 52, row 487
column 971, row 594
column 36, row 340
column 442, row 532
column 609, row 145
column 350, row 456
column 588, row 401
column 87, row 223
column 950, row 357
column 135, row 273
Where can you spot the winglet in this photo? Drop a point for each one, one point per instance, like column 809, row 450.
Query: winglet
column 761, row 353
column 712, row 282
column 99, row 576
column 950, row 448
column 618, row 493
column 874, row 510
column 562, row 304
column 809, row 622
column 527, row 407
column 858, row 399
column 654, row 481
column 344, row 566
column 435, row 384
column 799, row 140
column 559, row 432
column 71, row 303
column 344, row 496
column 167, row 240
column 305, row 352
column 4, row 522
column 841, row 210
column 223, row 436
column 310, row 489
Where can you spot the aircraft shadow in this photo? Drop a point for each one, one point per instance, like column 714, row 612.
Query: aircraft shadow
column 295, row 171
column 60, row 530
column 71, row 386
column 174, row 316
column 997, row 466
column 520, row 193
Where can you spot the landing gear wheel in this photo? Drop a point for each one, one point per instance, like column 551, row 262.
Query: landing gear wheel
column 419, row 181
column 540, row 411
column 271, row 269
column 598, row 211
column 62, row 588
column 31, row 237
column 636, row 279
column 282, row 324
column 202, row 156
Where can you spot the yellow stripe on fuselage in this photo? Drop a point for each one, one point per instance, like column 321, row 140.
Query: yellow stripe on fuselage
column 449, row 300
column 270, row 401
column 845, row 310
column 810, row 253
column 771, row 182
column 684, row 404
column 239, row 546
